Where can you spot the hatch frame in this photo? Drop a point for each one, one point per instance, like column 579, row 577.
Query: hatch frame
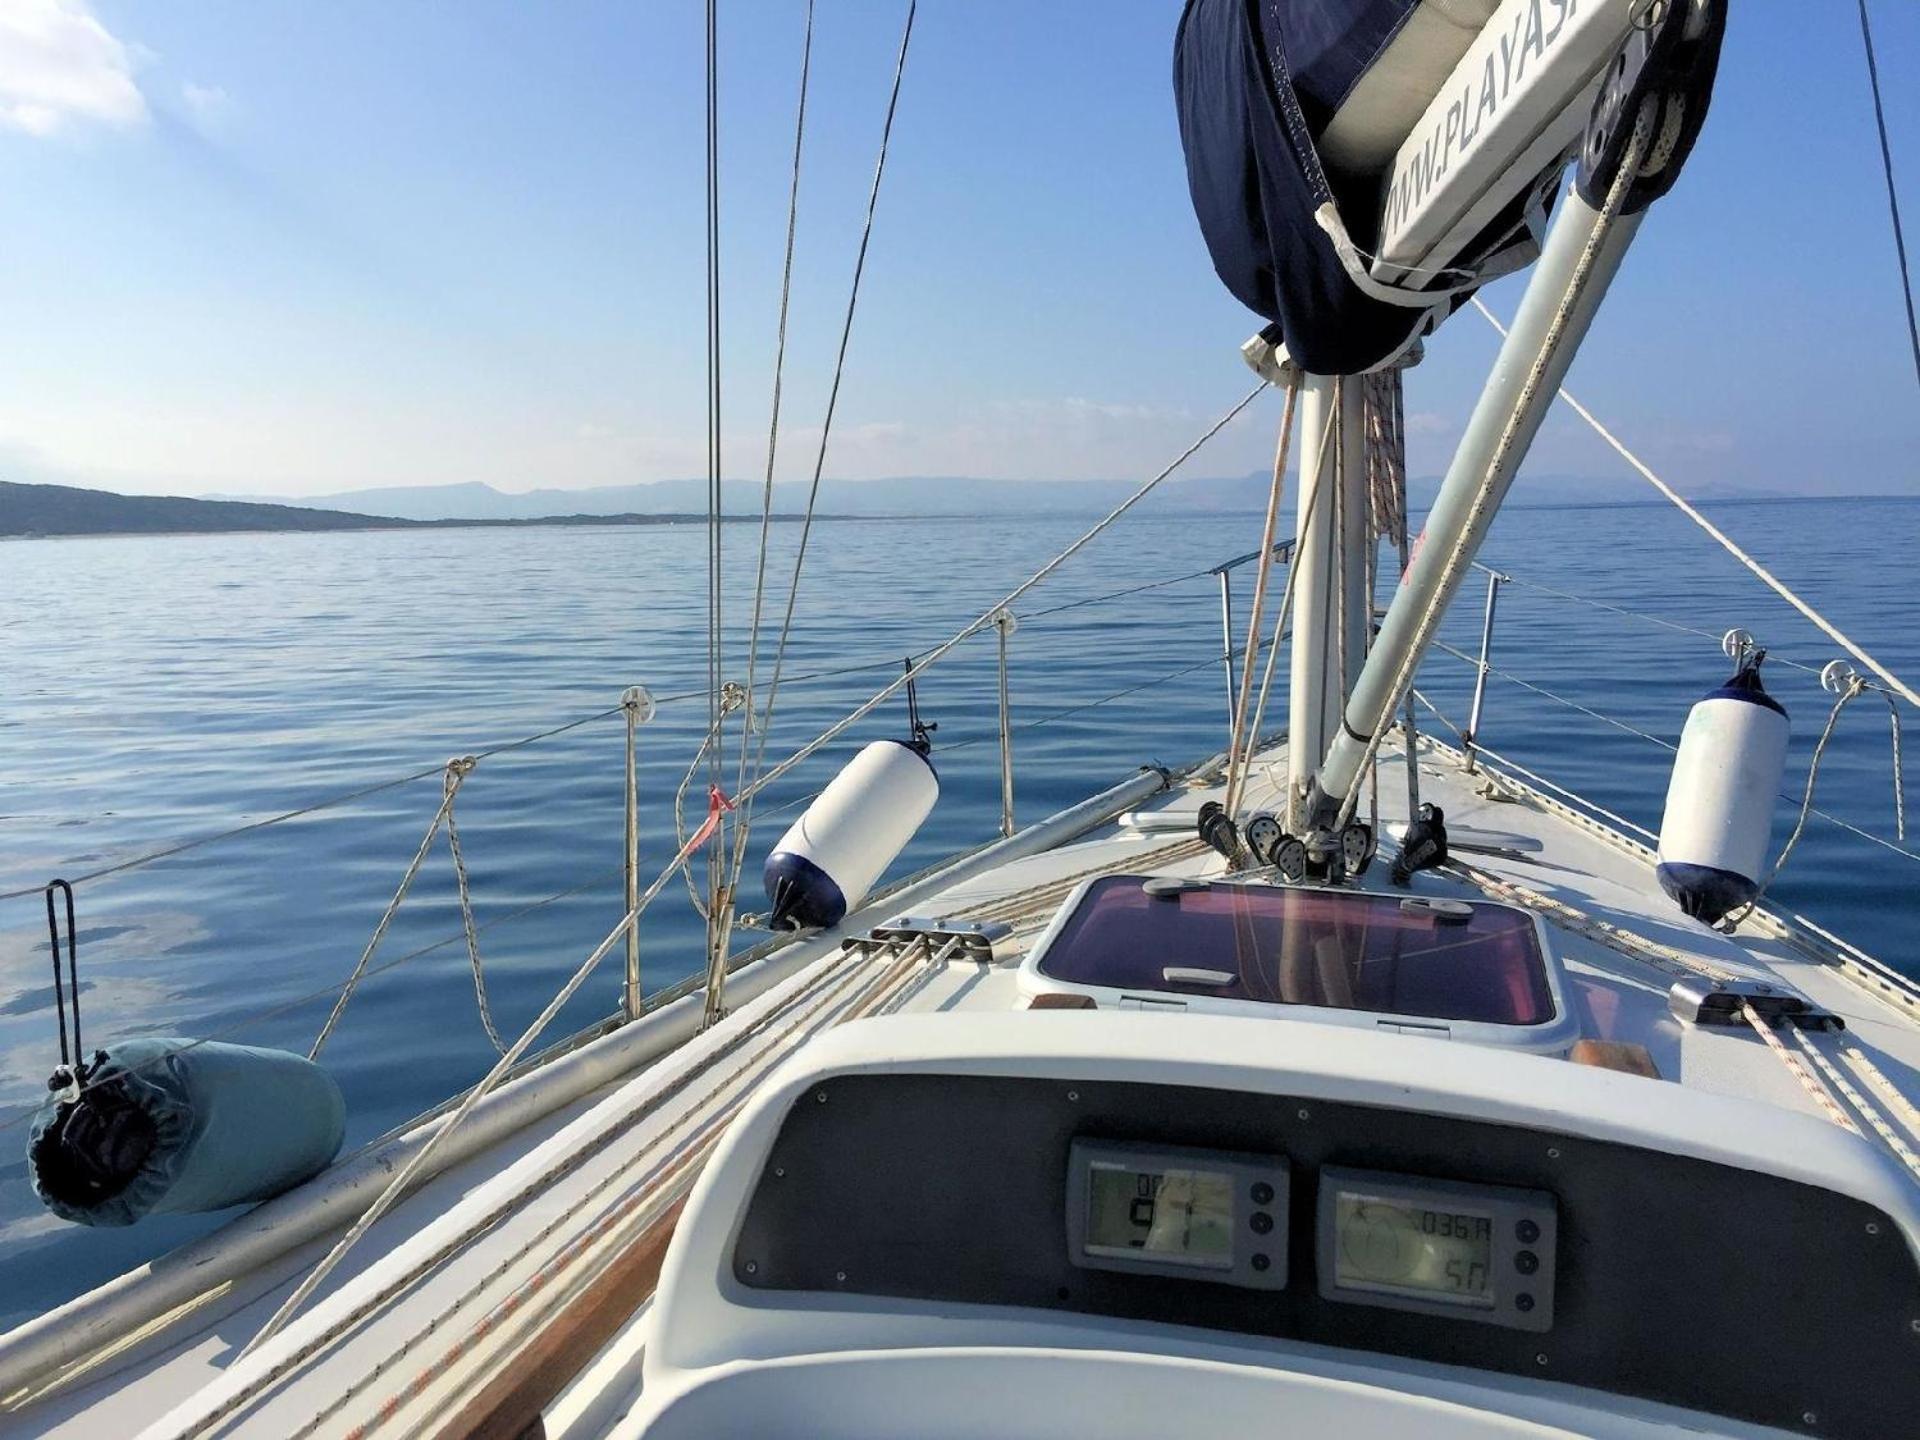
column 1554, row 1035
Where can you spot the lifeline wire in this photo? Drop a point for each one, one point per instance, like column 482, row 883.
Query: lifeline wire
column 327, row 803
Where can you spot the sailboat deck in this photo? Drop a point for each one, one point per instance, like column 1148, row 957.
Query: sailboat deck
column 497, row 1238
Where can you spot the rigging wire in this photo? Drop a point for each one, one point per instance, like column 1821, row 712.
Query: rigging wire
column 1893, row 195
column 715, row 498
column 1547, row 694
column 1257, row 617
column 1452, row 567
column 986, row 617
column 779, row 375
column 1779, row 587
column 744, row 792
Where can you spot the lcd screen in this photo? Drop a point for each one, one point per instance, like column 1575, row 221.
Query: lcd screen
column 1175, row 1216
column 1402, row 1248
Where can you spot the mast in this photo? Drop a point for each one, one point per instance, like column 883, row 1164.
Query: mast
column 1644, row 122
column 1330, row 594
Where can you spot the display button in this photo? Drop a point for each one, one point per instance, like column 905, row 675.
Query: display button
column 1526, row 1262
column 1262, row 1193
column 1261, row 1262
column 1261, row 1222
column 1527, row 1232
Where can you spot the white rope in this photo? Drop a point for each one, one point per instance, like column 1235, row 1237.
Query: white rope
column 466, row 908
column 1827, row 627
column 1853, row 688
column 1819, row 1093
column 1310, row 509
column 1257, row 616
column 1875, row 1121
column 456, row 771
column 1899, row 772
column 1460, row 553
column 1888, row 1091
column 401, row 1182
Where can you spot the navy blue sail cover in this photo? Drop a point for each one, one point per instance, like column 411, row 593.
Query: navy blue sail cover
column 1255, row 81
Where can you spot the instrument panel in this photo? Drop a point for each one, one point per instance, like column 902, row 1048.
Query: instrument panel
column 1159, row 1210
column 1477, row 1253
column 1469, row 1252
column 1451, row 1240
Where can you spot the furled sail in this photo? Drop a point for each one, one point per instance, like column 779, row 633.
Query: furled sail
column 1358, row 166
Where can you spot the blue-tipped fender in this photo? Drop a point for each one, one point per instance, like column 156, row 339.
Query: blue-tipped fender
column 831, row 856
column 1718, row 825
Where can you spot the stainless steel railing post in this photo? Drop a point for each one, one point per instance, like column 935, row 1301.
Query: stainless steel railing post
column 1005, row 623
column 1494, row 581
column 638, row 705
column 1225, row 572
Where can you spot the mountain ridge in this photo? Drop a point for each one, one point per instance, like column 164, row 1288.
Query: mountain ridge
column 930, row 495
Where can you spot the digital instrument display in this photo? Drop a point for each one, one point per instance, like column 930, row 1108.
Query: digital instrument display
column 1405, row 1249
column 1174, row 1211
column 1454, row 1248
column 1184, row 1216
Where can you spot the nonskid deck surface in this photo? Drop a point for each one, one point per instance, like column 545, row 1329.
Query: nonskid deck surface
column 497, row 1246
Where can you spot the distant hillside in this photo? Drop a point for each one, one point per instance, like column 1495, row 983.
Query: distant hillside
column 32, row 510
column 930, row 495
column 68, row 510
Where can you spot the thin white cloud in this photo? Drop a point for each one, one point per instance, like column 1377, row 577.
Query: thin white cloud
column 209, row 105
column 59, row 66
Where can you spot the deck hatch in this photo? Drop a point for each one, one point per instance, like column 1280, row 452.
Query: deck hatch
column 1479, row 963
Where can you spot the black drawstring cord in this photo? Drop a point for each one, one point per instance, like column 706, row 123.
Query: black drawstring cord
column 72, row 1066
column 921, row 730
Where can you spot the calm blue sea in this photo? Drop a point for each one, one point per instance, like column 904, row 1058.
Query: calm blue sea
column 158, row 689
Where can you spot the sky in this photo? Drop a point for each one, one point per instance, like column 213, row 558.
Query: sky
column 285, row 249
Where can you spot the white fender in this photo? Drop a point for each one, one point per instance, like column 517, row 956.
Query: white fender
column 1718, row 827
column 827, row 862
